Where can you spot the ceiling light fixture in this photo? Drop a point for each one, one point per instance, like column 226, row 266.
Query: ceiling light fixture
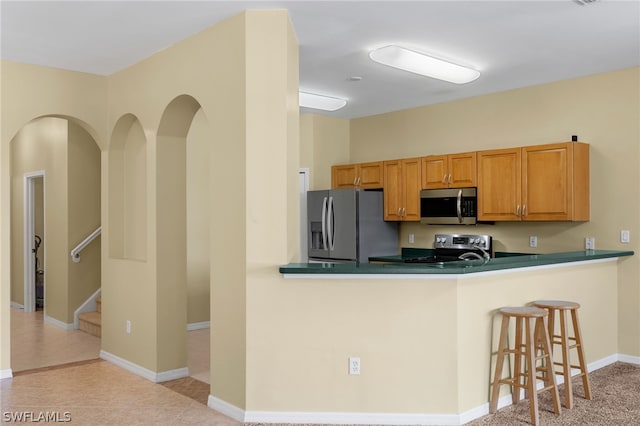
column 418, row 63
column 315, row 101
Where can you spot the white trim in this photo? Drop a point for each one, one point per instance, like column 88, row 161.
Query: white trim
column 16, row 305
column 303, row 182
column 628, row 359
column 29, row 277
column 226, row 408
column 6, row 374
column 177, row 373
column 241, row 415
column 198, row 325
column 152, row 376
column 89, row 305
column 351, row 418
column 58, row 323
column 427, row 276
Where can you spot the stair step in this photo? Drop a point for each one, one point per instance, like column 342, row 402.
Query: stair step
column 90, row 322
column 99, row 304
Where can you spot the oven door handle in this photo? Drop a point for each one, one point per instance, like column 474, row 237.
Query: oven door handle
column 459, row 206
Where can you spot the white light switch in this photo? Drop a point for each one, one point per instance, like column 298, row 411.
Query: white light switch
column 411, row 239
column 625, row 236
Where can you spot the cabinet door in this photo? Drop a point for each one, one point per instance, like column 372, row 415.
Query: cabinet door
column 434, row 171
column 392, row 190
column 462, row 170
column 371, row 175
column 547, row 182
column 343, row 176
column 411, row 173
column 499, row 185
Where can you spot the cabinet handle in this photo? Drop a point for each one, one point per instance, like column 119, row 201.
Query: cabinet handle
column 524, row 209
column 449, row 178
column 444, row 178
column 399, row 211
column 518, row 210
column 404, row 212
column 359, row 181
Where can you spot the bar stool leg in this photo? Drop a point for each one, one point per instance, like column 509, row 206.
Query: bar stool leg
column 502, row 349
column 581, row 358
column 549, row 374
column 566, row 362
column 531, row 370
column 517, row 362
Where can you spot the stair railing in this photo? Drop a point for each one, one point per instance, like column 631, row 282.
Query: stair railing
column 75, row 253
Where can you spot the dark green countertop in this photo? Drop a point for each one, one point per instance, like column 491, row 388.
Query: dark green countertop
column 395, row 264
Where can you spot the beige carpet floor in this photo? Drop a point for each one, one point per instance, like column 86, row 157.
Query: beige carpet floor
column 615, row 391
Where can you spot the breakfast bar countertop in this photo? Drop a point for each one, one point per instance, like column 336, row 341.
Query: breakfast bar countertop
column 394, row 265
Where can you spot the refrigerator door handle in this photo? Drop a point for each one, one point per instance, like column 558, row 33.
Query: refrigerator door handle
column 324, row 224
column 330, row 224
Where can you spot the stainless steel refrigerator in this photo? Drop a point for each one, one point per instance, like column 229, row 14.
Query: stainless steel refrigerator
column 347, row 225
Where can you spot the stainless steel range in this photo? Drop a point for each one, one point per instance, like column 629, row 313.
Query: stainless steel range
column 455, row 247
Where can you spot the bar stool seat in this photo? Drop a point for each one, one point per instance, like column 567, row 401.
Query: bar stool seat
column 534, row 347
column 567, row 343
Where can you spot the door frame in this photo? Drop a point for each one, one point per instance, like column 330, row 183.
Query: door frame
column 303, row 176
column 29, row 301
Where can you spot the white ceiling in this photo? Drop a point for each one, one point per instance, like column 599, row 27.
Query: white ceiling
column 513, row 43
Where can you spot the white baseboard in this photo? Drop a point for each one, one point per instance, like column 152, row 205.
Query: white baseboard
column 334, row 418
column 629, row 359
column 163, row 376
column 198, row 325
column 6, row 374
column 58, row 323
column 241, row 415
column 17, row 306
column 226, row 408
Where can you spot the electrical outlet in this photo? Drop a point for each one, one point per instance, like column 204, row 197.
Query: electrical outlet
column 411, row 239
column 354, row 365
column 128, row 327
column 589, row 243
column 625, row 236
column 533, row 241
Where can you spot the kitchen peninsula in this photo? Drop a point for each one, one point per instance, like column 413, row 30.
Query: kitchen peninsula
column 433, row 330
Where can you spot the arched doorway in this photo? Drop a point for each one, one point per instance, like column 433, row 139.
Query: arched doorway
column 183, row 206
column 55, row 203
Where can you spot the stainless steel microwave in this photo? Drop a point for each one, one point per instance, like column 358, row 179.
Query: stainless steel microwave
column 449, row 206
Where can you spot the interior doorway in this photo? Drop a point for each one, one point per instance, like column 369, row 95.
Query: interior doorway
column 34, row 244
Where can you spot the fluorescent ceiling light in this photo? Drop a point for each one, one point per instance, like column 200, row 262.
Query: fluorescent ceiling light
column 418, row 63
column 326, row 103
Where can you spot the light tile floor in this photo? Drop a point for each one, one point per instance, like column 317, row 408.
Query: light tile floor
column 36, row 344
column 100, row 393
column 94, row 393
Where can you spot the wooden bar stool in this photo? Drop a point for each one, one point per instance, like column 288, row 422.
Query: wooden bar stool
column 535, row 347
column 563, row 339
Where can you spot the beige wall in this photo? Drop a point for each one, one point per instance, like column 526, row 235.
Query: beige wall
column 83, row 216
column 324, row 141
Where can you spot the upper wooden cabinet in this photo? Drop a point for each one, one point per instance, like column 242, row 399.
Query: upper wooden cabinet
column 402, row 189
column 449, row 171
column 362, row 175
column 534, row 183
